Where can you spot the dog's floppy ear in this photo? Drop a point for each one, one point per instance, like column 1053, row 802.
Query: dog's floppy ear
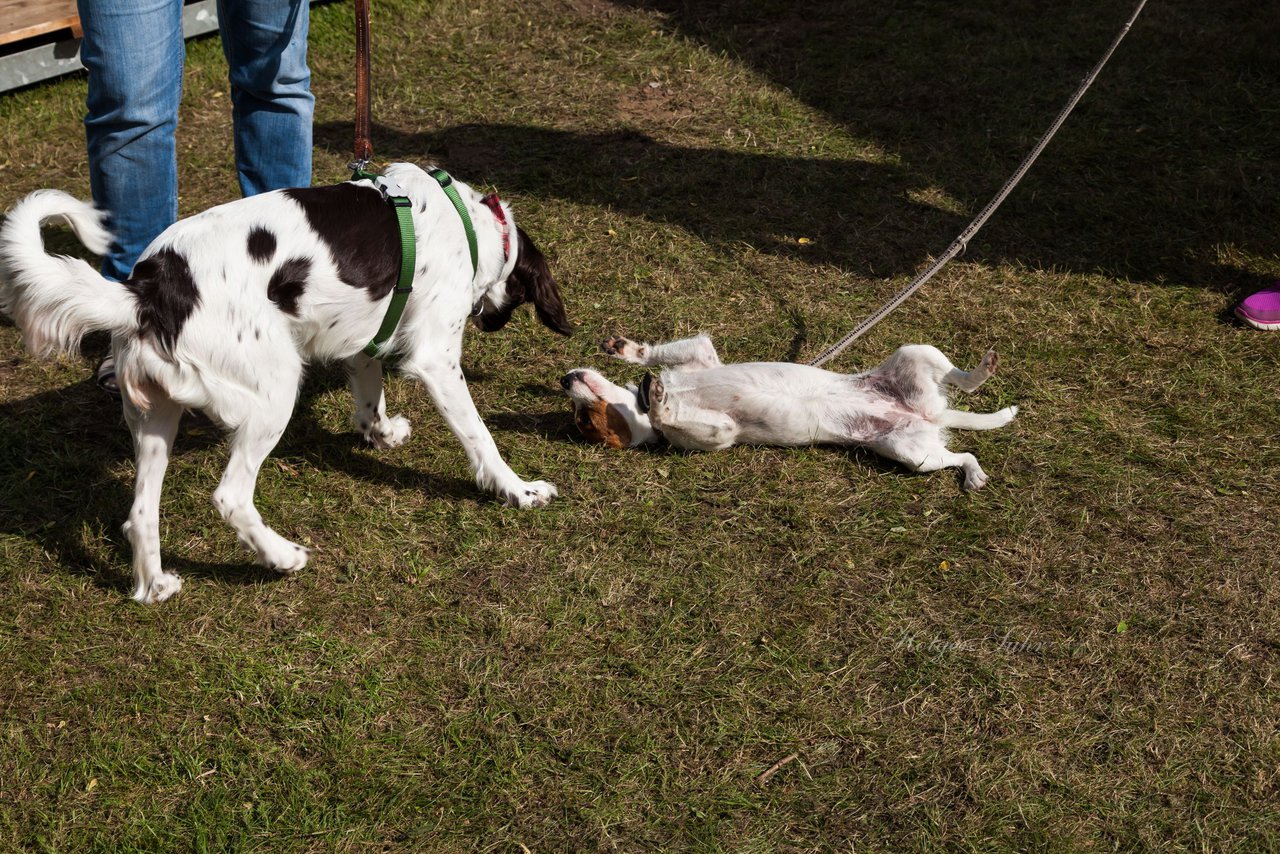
column 533, row 276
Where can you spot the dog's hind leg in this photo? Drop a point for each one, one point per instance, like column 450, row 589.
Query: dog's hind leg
column 975, row 420
column 927, row 453
column 369, row 415
column 251, row 441
column 153, row 433
column 969, row 381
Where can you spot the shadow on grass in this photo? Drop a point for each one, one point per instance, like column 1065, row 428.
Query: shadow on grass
column 723, row 197
column 60, row 457
column 1166, row 171
column 1169, row 155
column 558, row 426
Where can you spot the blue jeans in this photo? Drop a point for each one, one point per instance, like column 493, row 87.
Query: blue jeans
column 134, row 53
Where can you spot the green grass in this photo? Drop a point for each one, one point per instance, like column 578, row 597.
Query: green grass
column 1082, row 656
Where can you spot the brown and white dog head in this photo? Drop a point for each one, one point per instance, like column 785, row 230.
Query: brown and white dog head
column 609, row 414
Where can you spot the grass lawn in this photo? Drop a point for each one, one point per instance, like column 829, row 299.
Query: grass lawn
column 754, row 650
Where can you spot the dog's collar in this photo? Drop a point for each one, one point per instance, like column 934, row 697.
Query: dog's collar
column 493, row 203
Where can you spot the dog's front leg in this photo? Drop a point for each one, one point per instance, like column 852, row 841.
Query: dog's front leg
column 696, row 353
column 448, row 390
column 369, row 413
column 689, row 426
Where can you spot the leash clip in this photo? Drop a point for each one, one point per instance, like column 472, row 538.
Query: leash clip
column 360, row 169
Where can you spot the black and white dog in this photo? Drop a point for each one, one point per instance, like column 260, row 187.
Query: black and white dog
column 898, row 409
column 225, row 308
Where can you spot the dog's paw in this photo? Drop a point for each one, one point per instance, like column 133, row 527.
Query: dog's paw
column 990, row 361
column 279, row 555
column 975, row 479
column 657, row 392
column 389, row 433
column 158, row 589
column 625, row 349
column 537, row 493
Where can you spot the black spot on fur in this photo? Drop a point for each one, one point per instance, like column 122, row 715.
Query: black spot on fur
column 288, row 283
column 361, row 231
column 262, row 245
column 166, row 294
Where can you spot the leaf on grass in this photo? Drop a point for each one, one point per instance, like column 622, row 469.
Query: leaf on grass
column 1122, row 627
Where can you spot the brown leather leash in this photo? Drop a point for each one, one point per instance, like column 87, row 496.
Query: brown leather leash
column 362, row 153
column 363, row 150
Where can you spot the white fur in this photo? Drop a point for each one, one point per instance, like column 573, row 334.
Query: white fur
column 240, row 358
column 899, row 409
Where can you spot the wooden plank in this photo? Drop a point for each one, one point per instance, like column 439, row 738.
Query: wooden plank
column 23, row 65
column 24, row 19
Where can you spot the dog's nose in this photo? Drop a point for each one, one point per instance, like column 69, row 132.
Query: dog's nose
column 567, row 379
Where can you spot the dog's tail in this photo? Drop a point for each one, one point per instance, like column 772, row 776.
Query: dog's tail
column 54, row 299
column 975, row 420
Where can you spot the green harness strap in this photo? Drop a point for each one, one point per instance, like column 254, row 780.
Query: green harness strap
column 446, row 184
column 408, row 253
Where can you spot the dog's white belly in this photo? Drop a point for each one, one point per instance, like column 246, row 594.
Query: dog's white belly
column 779, row 403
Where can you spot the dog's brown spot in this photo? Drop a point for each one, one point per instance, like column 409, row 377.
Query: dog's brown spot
column 360, row 230
column 603, row 424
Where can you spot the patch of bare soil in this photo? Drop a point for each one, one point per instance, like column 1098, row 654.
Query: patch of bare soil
column 654, row 103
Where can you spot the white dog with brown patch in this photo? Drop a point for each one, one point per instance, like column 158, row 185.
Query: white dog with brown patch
column 898, row 409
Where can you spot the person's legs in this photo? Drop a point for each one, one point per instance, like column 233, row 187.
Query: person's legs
column 265, row 42
column 134, row 53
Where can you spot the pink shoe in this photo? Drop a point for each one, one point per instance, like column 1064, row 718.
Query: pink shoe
column 1262, row 310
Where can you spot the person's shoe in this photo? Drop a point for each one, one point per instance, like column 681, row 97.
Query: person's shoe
column 1262, row 310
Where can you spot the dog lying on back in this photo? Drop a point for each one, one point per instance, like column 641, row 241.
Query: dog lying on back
column 898, row 409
